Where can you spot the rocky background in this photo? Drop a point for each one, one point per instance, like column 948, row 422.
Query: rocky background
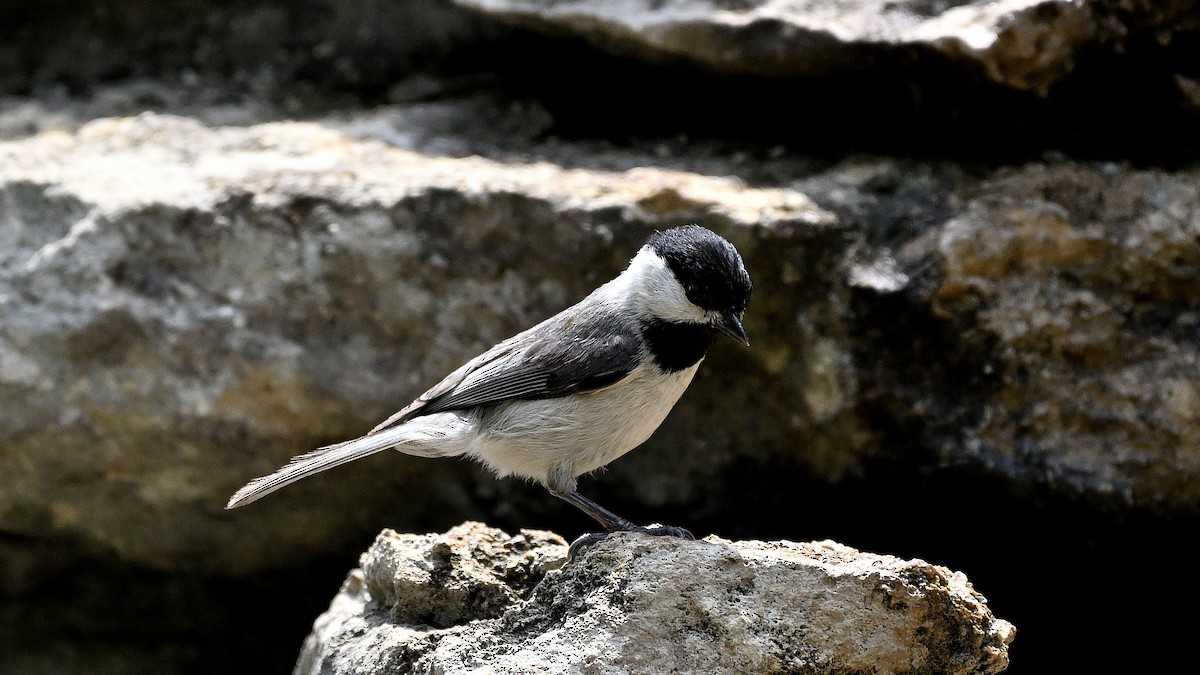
column 238, row 229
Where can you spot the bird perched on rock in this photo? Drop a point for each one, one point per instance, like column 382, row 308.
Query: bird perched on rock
column 579, row 389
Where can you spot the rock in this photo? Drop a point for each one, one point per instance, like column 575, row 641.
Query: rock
column 1023, row 44
column 279, row 286
column 635, row 603
column 1089, row 286
column 1001, row 81
column 998, row 81
column 991, row 325
column 284, row 285
column 470, row 573
column 1069, row 290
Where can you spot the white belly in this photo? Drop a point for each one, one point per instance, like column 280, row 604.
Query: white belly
column 578, row 434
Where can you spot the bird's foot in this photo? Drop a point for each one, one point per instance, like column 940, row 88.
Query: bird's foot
column 654, row 530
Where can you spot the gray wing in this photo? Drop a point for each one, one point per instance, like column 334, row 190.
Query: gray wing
column 558, row 357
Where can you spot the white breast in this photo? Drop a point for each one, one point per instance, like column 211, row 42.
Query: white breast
column 578, row 434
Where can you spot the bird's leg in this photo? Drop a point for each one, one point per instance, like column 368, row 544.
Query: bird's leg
column 609, row 520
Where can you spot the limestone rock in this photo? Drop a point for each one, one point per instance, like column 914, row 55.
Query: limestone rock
column 190, row 297
column 187, row 307
column 635, row 603
column 471, row 572
column 1023, row 44
column 237, row 295
column 1089, row 284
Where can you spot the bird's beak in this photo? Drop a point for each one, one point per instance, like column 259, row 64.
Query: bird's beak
column 731, row 325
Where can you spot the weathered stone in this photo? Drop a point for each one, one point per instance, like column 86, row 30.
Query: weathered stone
column 635, row 603
column 238, row 295
column 469, row 573
column 187, row 300
column 1088, row 280
column 1024, row 44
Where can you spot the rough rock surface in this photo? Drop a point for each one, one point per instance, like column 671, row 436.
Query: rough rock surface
column 975, row 323
column 241, row 294
column 634, row 603
column 1089, row 285
column 1023, row 44
column 1001, row 79
column 237, row 295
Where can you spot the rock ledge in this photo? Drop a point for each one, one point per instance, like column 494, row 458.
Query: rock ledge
column 476, row 599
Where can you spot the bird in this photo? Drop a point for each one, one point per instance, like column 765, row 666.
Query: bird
column 576, row 391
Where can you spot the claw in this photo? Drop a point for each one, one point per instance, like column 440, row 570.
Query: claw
column 655, row 530
column 584, row 542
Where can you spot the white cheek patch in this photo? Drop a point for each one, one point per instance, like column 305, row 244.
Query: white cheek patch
column 651, row 288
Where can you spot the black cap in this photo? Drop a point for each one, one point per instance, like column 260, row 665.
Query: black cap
column 706, row 265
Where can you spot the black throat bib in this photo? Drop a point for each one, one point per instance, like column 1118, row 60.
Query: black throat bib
column 677, row 346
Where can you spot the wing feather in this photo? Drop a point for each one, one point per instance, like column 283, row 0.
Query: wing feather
column 558, row 357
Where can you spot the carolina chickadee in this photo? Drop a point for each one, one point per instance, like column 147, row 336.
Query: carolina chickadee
column 579, row 389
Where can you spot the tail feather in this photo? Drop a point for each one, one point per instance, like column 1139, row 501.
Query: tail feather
column 313, row 462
